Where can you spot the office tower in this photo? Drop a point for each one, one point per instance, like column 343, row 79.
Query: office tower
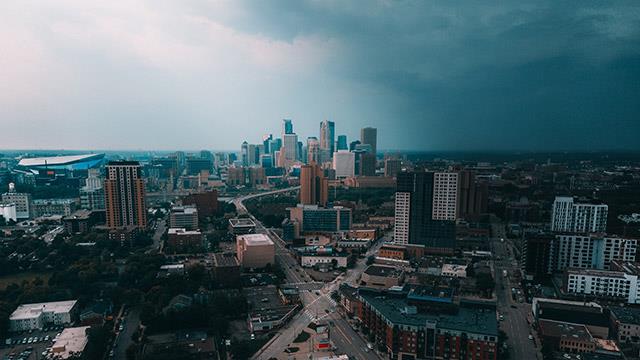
column 266, row 161
column 353, row 145
column 244, row 153
column 314, row 187
column 367, row 164
column 573, row 215
column 206, row 154
column 21, row 200
column 392, row 167
column 125, row 195
column 344, row 164
column 369, row 136
column 445, row 196
column 299, row 151
column 275, row 145
column 92, row 194
column 287, row 126
column 327, row 136
column 341, row 143
column 472, row 195
column 313, row 151
column 259, row 152
column 414, row 206
column 289, row 149
column 252, row 157
column 93, row 180
column 266, row 142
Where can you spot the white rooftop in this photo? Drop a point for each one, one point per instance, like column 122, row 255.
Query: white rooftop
column 70, row 342
column 53, row 160
column 256, row 239
column 27, row 311
column 182, row 231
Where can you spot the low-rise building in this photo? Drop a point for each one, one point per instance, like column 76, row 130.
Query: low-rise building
column 625, row 324
column 409, row 329
column 48, row 207
column 589, row 314
column 454, row 270
column 8, row 211
column 239, row 226
column 338, row 260
column 70, row 344
column 185, row 217
column 81, row 221
column 225, row 270
column 381, row 277
column 255, row 250
column 181, row 240
column 393, row 251
column 39, row 315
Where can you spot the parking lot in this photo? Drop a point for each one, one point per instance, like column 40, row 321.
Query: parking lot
column 28, row 345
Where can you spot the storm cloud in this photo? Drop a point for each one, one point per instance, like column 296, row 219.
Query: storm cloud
column 456, row 75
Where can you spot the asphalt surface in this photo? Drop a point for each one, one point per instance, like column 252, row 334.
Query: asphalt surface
column 123, row 339
column 515, row 314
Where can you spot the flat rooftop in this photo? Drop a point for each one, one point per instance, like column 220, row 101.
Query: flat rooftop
column 27, row 311
column 240, row 222
column 627, row 315
column 182, row 231
column 187, row 210
column 598, row 273
column 255, row 239
column 224, row 260
column 379, row 270
column 70, row 342
column 560, row 329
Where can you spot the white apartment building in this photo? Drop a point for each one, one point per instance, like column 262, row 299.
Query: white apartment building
column 445, row 196
column 569, row 215
column 311, row 260
column 590, row 252
column 621, row 285
column 37, row 316
column 344, row 164
column 402, row 211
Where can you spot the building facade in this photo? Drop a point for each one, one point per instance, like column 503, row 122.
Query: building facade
column 574, row 216
column 125, row 195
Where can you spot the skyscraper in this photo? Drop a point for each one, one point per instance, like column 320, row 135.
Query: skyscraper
column 344, row 164
column 125, row 195
column 341, row 143
column 244, row 153
column 414, row 216
column 369, row 136
column 314, row 187
column 289, row 149
column 327, row 136
column 287, row 126
column 313, row 150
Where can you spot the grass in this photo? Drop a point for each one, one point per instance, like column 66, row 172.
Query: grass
column 19, row 278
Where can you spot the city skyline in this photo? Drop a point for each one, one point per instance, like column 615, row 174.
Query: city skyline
column 520, row 76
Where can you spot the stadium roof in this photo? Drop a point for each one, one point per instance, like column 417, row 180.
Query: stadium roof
column 71, row 162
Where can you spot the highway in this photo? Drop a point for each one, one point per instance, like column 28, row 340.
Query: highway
column 316, row 304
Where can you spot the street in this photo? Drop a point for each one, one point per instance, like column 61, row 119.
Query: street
column 515, row 314
column 320, row 306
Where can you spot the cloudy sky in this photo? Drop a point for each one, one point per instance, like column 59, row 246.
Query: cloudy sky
column 451, row 75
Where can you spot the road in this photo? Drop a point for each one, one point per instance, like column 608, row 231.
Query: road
column 123, row 339
column 316, row 304
column 515, row 314
column 161, row 225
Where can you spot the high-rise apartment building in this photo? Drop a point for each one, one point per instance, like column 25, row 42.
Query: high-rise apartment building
column 575, row 216
column 369, row 136
column 125, row 195
column 472, row 195
column 445, row 196
column 327, row 136
column 344, row 164
column 314, row 187
column 415, row 206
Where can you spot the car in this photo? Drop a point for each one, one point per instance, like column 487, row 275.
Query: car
column 530, row 337
column 46, row 338
column 253, row 336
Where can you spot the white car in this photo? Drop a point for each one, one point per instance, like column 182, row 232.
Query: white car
column 530, row 337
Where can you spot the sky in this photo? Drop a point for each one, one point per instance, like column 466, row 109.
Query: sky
column 448, row 75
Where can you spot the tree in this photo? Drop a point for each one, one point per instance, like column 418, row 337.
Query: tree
column 485, row 284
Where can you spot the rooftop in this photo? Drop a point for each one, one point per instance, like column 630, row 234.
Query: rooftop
column 395, row 308
column 379, row 270
column 27, row 311
column 595, row 272
column 182, row 231
column 255, row 239
column 70, row 342
column 241, row 222
column 224, row 259
column 58, row 160
column 560, row 329
column 187, row 210
column 626, row 314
